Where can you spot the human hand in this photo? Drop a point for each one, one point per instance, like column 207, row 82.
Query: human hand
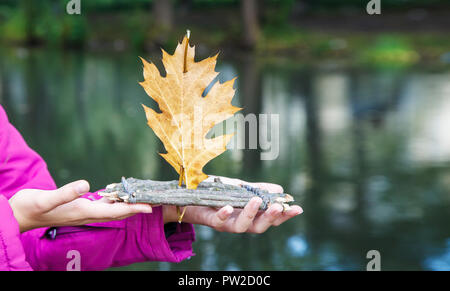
column 227, row 219
column 62, row 207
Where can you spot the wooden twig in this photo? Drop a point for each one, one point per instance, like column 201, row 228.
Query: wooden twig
column 213, row 194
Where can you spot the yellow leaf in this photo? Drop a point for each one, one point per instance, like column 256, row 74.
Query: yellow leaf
column 186, row 116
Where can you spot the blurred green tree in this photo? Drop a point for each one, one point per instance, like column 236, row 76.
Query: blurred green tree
column 250, row 23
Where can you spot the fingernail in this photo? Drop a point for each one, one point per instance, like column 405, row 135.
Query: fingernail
column 82, row 187
column 299, row 210
column 228, row 209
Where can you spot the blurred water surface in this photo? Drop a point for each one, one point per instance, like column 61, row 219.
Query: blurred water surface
column 365, row 151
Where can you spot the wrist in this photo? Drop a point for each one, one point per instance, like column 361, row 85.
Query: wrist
column 21, row 221
column 169, row 213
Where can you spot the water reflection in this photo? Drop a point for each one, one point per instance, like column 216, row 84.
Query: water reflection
column 365, row 152
column 440, row 262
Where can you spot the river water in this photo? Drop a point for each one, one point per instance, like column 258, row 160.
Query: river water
column 365, row 152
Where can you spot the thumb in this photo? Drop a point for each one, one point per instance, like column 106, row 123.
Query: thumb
column 66, row 193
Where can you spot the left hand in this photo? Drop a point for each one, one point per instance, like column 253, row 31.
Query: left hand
column 227, row 219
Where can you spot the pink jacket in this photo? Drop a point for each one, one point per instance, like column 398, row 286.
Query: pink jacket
column 97, row 246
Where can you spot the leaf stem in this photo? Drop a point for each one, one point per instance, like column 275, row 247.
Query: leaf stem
column 188, row 35
column 180, row 180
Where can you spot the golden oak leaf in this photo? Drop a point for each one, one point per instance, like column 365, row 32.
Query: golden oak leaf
column 186, row 116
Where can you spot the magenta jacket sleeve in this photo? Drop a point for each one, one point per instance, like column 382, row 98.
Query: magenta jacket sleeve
column 98, row 246
column 94, row 247
column 12, row 255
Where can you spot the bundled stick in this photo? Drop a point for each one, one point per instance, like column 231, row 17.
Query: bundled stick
column 213, row 194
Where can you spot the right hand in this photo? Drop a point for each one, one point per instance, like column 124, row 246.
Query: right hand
column 248, row 219
column 63, row 207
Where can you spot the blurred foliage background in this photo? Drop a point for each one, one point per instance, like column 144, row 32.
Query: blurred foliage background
column 306, row 28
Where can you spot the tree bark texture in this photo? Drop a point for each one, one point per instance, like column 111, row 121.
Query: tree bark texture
column 213, row 194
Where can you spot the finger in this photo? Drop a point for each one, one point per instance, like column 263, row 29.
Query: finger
column 116, row 210
column 65, row 194
column 271, row 188
column 221, row 216
column 245, row 218
column 264, row 221
column 294, row 211
column 96, row 220
column 104, row 200
column 225, row 180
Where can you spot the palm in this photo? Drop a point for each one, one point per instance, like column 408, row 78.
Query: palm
column 249, row 219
